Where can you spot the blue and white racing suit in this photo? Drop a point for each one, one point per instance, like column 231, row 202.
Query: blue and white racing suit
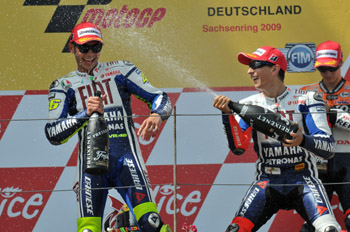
column 68, row 98
column 286, row 177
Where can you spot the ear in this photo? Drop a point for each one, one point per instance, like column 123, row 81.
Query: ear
column 71, row 48
column 275, row 69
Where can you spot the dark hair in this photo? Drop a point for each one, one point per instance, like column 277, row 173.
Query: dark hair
column 281, row 75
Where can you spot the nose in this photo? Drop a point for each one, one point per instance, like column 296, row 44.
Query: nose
column 250, row 70
column 90, row 52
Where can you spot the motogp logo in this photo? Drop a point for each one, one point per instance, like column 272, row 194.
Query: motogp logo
column 66, row 15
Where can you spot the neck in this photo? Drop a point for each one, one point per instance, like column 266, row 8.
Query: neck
column 89, row 72
column 275, row 90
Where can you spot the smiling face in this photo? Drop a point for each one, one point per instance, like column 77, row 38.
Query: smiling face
column 261, row 75
column 265, row 79
column 85, row 61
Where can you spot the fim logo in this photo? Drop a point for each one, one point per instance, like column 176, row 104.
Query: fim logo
column 300, row 57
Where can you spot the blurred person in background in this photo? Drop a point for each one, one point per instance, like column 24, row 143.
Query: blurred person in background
column 335, row 91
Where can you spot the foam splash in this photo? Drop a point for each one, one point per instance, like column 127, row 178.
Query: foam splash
column 139, row 42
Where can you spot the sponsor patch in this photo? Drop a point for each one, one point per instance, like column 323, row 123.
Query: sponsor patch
column 89, row 31
column 299, row 167
column 273, row 58
column 66, row 84
column 320, row 109
column 144, row 79
column 259, row 51
column 331, row 97
column 344, row 94
column 327, row 54
column 273, row 170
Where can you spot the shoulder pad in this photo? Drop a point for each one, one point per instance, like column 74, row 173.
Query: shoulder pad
column 318, row 96
column 54, row 84
column 127, row 63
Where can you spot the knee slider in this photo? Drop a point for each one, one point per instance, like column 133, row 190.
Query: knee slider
column 232, row 228
column 330, row 229
column 89, row 224
column 150, row 222
column 326, row 223
column 148, row 217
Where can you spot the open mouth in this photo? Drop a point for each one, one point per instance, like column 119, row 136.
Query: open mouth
column 88, row 61
column 254, row 78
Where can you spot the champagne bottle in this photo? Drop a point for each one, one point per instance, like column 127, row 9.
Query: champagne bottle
column 265, row 121
column 97, row 144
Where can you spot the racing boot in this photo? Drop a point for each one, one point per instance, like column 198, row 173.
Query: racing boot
column 347, row 222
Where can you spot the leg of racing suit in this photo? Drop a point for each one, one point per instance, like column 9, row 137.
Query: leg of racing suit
column 340, row 173
column 138, row 195
column 326, row 177
column 313, row 191
column 251, row 219
column 91, row 202
column 267, row 200
column 344, row 189
column 129, row 175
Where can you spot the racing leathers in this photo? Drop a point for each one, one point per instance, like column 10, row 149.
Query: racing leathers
column 68, row 98
column 286, row 177
column 338, row 168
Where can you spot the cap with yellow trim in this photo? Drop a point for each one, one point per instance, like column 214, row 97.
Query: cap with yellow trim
column 328, row 54
column 85, row 32
column 265, row 53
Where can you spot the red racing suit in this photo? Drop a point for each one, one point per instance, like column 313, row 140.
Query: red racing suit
column 68, row 98
column 286, row 177
column 338, row 168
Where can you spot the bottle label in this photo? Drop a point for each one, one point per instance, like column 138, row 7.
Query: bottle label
column 277, row 125
column 101, row 155
column 244, row 110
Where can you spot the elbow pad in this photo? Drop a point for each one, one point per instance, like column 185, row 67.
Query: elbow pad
column 239, row 140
